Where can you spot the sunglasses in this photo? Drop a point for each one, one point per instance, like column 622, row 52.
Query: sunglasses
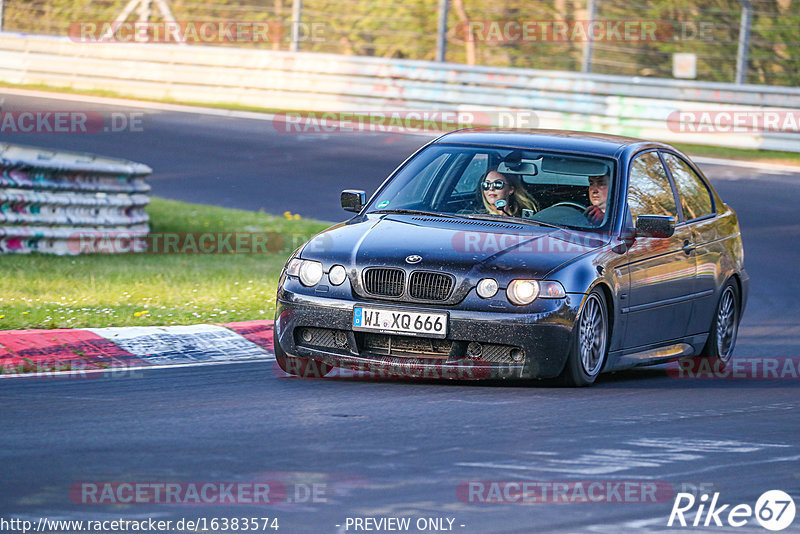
column 497, row 184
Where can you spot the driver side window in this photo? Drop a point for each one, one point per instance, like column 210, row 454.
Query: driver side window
column 468, row 183
column 649, row 189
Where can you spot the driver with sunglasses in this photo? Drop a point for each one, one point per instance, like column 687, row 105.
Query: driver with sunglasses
column 497, row 188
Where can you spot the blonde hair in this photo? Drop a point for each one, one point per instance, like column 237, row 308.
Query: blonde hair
column 517, row 201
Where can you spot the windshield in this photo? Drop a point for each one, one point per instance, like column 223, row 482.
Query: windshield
column 489, row 182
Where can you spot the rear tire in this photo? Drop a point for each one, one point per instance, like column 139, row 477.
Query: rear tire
column 302, row 367
column 724, row 326
column 589, row 347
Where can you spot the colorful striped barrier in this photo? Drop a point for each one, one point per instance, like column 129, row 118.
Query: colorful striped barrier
column 53, row 202
column 44, row 353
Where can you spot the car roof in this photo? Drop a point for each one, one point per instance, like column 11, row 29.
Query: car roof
column 557, row 140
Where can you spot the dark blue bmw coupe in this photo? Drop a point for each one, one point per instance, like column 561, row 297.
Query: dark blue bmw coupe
column 511, row 254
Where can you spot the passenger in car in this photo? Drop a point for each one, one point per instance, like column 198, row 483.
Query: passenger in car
column 598, row 195
column 497, row 188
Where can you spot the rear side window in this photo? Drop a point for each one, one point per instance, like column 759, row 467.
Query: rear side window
column 649, row 190
column 694, row 195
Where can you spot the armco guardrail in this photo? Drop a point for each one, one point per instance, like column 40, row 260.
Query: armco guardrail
column 67, row 203
column 640, row 107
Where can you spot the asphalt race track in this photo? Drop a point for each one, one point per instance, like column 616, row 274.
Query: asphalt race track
column 396, row 448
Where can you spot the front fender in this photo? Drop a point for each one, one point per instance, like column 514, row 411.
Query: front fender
column 602, row 268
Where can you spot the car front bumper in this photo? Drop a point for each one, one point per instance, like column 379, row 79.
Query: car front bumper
column 543, row 334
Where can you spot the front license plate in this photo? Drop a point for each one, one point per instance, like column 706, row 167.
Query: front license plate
column 411, row 323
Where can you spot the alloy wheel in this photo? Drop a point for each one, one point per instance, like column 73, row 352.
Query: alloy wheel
column 726, row 324
column 593, row 330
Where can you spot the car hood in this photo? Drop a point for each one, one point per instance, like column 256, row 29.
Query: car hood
column 463, row 247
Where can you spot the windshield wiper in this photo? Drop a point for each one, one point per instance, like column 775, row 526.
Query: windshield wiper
column 417, row 212
column 478, row 217
column 509, row 220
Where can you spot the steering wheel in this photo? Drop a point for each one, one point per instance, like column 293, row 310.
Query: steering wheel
column 570, row 205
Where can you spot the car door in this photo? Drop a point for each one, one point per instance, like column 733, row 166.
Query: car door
column 661, row 270
column 699, row 214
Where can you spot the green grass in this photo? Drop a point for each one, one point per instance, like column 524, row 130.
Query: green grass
column 41, row 291
column 116, row 94
column 767, row 156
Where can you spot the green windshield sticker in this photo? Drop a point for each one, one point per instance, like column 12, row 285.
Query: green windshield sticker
column 383, row 204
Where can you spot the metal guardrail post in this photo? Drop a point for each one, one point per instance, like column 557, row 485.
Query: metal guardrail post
column 744, row 41
column 588, row 47
column 441, row 34
column 2, row 14
column 297, row 17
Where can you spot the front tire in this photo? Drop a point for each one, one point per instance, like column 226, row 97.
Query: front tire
column 725, row 326
column 589, row 346
column 302, row 367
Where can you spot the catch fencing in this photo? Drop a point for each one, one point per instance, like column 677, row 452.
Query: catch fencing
column 639, row 107
column 57, row 202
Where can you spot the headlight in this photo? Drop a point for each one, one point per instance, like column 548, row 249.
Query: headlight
column 337, row 274
column 309, row 272
column 521, row 292
column 487, row 288
column 550, row 289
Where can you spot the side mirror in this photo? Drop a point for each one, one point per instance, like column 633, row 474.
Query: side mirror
column 659, row 226
column 353, row 200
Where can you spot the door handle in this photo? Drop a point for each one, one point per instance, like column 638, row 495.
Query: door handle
column 688, row 247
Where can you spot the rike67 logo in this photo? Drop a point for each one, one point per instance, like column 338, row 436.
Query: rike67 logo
column 774, row 510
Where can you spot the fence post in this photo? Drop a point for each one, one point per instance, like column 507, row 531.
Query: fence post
column 588, row 46
column 2, row 13
column 441, row 34
column 744, row 41
column 297, row 16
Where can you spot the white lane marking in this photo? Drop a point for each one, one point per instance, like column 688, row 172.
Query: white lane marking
column 637, row 525
column 697, row 414
column 659, row 525
column 703, row 445
column 602, row 462
column 658, row 452
column 730, row 465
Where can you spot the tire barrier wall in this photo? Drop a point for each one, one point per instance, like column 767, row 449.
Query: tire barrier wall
column 635, row 106
column 62, row 202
